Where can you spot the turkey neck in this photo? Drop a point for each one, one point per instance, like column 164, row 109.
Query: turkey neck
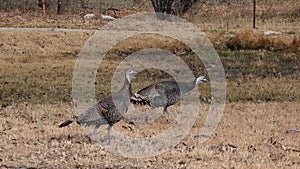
column 126, row 89
column 187, row 86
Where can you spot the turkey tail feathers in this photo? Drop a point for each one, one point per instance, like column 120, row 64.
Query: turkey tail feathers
column 66, row 123
column 139, row 99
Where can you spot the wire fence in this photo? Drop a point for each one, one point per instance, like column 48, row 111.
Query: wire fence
column 69, row 5
column 231, row 14
column 219, row 14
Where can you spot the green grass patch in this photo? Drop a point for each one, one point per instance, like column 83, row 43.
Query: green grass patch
column 38, row 68
column 251, row 76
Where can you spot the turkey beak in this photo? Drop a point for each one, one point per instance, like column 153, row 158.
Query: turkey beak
column 204, row 80
column 134, row 73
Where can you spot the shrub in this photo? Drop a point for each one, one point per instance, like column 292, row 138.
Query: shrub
column 248, row 39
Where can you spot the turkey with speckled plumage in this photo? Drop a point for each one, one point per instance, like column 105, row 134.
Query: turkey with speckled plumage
column 107, row 111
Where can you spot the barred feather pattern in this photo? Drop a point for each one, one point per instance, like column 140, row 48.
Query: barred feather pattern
column 162, row 94
column 107, row 111
column 92, row 116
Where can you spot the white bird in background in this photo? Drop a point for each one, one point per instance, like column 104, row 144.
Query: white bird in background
column 89, row 16
column 268, row 33
column 107, row 17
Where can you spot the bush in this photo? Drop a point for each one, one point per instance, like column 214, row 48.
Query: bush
column 248, row 39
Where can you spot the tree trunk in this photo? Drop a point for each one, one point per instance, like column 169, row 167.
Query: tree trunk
column 59, row 7
column 182, row 6
column 162, row 6
column 169, row 6
column 177, row 7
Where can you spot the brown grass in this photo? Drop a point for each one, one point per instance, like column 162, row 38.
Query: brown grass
column 271, row 15
column 248, row 39
column 248, row 136
column 39, row 44
column 296, row 42
column 144, row 41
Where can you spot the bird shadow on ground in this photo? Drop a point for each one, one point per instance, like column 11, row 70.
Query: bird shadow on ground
column 142, row 115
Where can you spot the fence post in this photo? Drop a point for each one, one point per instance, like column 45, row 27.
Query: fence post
column 59, row 7
column 254, row 14
column 44, row 8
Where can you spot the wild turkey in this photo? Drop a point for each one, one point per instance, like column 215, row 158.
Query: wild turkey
column 164, row 94
column 107, row 111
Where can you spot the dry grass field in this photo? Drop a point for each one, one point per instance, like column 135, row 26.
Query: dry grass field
column 250, row 135
column 259, row 128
